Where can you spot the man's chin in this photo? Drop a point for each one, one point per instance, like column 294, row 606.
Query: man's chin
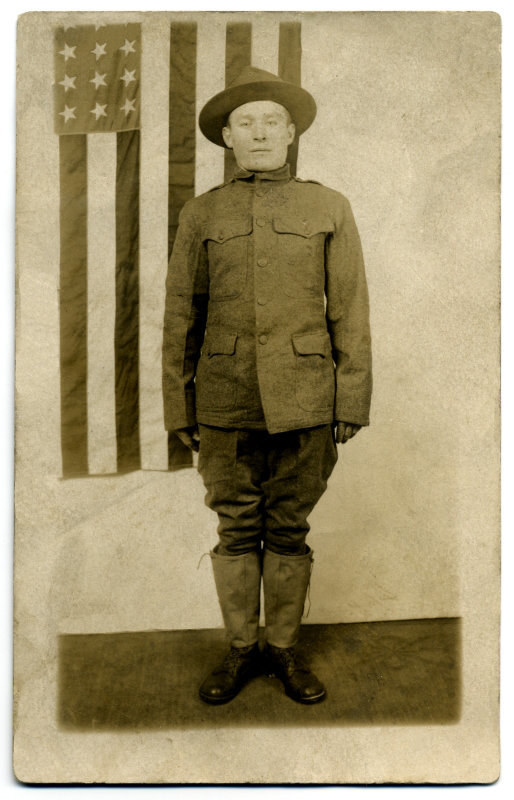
column 261, row 164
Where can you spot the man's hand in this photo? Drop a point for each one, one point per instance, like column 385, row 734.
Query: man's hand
column 190, row 437
column 345, row 431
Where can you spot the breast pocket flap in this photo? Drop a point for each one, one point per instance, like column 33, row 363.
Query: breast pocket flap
column 303, row 226
column 229, row 229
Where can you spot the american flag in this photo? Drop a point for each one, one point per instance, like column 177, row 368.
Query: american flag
column 141, row 88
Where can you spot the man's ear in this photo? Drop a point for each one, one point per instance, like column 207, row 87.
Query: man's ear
column 227, row 136
column 291, row 130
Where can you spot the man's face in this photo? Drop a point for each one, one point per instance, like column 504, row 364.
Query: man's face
column 259, row 133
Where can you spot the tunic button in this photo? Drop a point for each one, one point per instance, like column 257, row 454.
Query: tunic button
column 263, row 338
column 221, row 235
column 262, row 262
column 260, row 192
column 260, row 222
column 261, row 301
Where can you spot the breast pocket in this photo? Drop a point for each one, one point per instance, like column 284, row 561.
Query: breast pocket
column 314, row 373
column 216, row 375
column 300, row 244
column 227, row 250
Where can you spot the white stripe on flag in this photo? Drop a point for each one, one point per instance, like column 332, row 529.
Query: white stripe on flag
column 101, row 301
column 265, row 31
column 309, row 160
column 153, row 242
column 210, row 78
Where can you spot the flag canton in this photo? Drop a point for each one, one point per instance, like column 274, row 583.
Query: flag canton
column 97, row 78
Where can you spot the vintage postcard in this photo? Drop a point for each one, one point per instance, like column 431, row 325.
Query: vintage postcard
column 257, row 398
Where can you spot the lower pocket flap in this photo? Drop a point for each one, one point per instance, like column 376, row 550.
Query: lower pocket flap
column 221, row 344
column 306, row 344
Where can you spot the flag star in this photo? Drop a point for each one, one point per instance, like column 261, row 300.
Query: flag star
column 99, row 50
column 68, row 113
column 68, row 83
column 99, row 111
column 68, row 52
column 127, row 106
column 128, row 77
column 98, row 80
column 128, row 47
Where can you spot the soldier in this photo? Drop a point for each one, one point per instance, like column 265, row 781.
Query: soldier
column 266, row 366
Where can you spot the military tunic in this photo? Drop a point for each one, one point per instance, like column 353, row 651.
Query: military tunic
column 266, row 319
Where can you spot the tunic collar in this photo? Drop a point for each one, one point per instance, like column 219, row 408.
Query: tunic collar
column 280, row 174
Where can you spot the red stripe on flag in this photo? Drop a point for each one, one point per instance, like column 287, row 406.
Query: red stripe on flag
column 126, row 339
column 290, row 69
column 73, row 303
column 238, row 54
column 182, row 145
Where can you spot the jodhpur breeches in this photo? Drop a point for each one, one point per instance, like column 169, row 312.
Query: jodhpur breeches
column 263, row 486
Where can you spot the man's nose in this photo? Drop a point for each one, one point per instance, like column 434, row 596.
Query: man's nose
column 259, row 131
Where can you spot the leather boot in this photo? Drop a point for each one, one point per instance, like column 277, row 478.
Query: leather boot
column 285, row 580
column 238, row 581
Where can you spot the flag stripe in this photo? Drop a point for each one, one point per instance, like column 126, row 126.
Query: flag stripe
column 101, row 262
column 182, row 96
column 265, row 43
column 126, row 336
column 210, row 79
column 238, row 54
column 290, row 52
column 290, row 69
column 182, row 140
column 153, row 243
column 73, row 303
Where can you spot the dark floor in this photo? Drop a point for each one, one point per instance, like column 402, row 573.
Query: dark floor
column 405, row 672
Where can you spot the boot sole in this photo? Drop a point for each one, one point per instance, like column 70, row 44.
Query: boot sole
column 221, row 701
column 308, row 701
column 217, row 701
column 255, row 671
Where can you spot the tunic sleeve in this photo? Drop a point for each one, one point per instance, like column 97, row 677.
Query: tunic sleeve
column 348, row 318
column 184, row 321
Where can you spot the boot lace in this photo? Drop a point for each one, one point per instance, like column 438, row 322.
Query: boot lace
column 234, row 658
column 201, row 559
column 288, row 659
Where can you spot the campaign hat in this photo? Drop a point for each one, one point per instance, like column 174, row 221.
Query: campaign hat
column 256, row 84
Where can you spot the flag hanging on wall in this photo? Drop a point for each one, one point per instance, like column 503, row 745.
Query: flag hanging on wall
column 97, row 91
column 98, row 112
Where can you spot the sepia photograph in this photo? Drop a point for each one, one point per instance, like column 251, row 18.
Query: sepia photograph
column 257, row 397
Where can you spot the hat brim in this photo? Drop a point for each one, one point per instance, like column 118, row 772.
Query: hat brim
column 300, row 104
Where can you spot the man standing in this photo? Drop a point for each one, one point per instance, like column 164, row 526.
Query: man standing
column 266, row 365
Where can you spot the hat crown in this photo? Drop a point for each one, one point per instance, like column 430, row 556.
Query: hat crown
column 253, row 75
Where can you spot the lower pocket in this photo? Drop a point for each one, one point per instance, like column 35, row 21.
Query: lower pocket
column 216, row 385
column 314, row 371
